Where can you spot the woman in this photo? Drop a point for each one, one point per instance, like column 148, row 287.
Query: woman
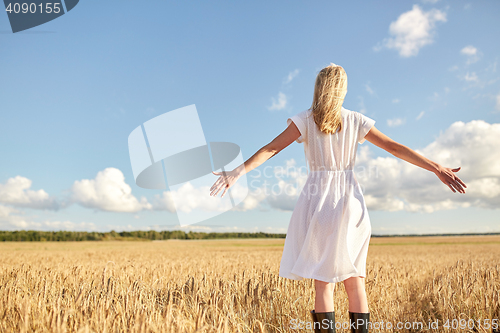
column 329, row 232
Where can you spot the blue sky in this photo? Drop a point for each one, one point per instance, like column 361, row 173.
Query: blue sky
column 74, row 88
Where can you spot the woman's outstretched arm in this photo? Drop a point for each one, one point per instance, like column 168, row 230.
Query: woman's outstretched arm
column 446, row 175
column 289, row 135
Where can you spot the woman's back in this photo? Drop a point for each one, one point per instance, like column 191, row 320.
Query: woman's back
column 332, row 152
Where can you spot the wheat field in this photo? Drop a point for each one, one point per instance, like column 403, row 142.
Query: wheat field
column 233, row 286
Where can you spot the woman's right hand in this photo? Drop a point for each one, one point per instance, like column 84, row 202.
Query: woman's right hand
column 225, row 181
column 448, row 177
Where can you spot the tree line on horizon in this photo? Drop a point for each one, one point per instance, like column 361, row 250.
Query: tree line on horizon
column 64, row 236
column 151, row 235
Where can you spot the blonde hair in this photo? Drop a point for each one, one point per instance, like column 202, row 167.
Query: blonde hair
column 329, row 93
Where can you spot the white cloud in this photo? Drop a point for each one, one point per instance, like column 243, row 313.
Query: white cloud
column 287, row 182
column 472, row 77
column 280, row 103
column 369, row 89
column 362, row 107
column 384, row 203
column 252, row 201
column 498, row 102
column 394, row 184
column 107, row 192
column 412, row 30
column 68, row 225
column 430, row 1
column 472, row 54
column 16, row 192
column 395, row 122
column 190, row 198
column 9, row 221
column 5, row 211
column 291, row 76
column 420, row 115
column 13, row 219
column 276, row 230
column 164, row 202
column 469, row 50
column 492, row 68
column 277, row 188
column 395, row 101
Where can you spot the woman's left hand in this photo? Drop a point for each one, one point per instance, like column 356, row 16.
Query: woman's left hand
column 224, row 181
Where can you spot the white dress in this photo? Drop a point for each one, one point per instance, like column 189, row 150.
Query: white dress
column 329, row 231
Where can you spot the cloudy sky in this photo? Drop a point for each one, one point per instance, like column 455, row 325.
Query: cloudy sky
column 73, row 89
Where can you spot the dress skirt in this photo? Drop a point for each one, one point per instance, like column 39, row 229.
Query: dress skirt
column 329, row 230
